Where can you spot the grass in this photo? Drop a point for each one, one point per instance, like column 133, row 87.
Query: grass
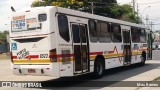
column 157, row 79
column 4, row 56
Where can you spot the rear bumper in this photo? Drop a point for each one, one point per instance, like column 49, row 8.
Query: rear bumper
column 40, row 70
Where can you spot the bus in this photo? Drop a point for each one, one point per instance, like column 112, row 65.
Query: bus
column 61, row 42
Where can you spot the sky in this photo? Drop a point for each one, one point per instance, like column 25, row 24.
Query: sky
column 5, row 10
column 147, row 8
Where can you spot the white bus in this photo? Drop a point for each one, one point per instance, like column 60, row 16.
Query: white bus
column 61, row 42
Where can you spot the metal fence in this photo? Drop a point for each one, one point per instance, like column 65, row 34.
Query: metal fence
column 4, row 48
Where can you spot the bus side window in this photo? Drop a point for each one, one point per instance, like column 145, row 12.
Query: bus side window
column 116, row 33
column 135, row 35
column 103, row 32
column 63, row 27
column 75, row 31
column 92, row 31
column 142, row 35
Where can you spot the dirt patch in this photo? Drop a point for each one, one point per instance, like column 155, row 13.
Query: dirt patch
column 4, row 56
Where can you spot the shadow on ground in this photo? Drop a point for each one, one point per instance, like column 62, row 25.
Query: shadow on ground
column 87, row 82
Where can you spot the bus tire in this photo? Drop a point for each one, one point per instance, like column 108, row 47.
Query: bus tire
column 143, row 59
column 99, row 68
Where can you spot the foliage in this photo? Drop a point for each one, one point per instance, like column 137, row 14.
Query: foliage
column 3, row 37
column 74, row 4
column 128, row 15
column 131, row 18
column 108, row 8
column 36, row 3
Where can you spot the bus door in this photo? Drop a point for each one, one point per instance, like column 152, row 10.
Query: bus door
column 80, row 48
column 126, row 47
column 149, row 45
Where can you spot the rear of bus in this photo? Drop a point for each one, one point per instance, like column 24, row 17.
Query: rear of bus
column 31, row 50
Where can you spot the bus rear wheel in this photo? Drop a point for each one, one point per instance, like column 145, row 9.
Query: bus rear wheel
column 99, row 68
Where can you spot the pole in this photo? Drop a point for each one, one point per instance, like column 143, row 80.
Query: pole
column 151, row 26
column 134, row 7
column 137, row 10
column 92, row 6
column 147, row 18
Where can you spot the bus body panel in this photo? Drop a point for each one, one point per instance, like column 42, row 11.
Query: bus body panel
column 45, row 70
column 32, row 49
column 29, row 23
column 67, row 68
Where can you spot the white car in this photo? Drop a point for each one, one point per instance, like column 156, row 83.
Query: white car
column 158, row 47
column 153, row 46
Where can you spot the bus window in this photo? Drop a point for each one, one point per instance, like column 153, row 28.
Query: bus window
column 142, row 35
column 42, row 17
column 116, row 33
column 63, row 27
column 103, row 32
column 135, row 35
column 83, row 33
column 75, row 30
column 92, row 31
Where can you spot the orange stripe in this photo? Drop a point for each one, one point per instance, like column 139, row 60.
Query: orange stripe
column 32, row 61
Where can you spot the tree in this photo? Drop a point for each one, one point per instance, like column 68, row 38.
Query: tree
column 73, row 4
column 126, row 14
column 3, row 38
column 131, row 18
column 37, row 3
column 108, row 8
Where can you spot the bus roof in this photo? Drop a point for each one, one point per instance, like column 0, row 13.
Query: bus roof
column 86, row 15
column 97, row 17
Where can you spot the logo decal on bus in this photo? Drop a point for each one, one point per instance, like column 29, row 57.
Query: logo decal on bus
column 14, row 46
column 31, row 20
column 22, row 54
column 43, row 55
column 18, row 23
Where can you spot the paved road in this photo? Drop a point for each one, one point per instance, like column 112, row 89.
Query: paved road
column 134, row 73
column 156, row 55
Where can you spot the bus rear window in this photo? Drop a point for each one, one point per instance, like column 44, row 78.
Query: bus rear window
column 26, row 40
column 42, row 17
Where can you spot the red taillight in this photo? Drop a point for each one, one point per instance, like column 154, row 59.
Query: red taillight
column 53, row 55
column 11, row 57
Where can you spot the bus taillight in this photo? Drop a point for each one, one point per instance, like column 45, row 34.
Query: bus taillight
column 11, row 57
column 53, row 55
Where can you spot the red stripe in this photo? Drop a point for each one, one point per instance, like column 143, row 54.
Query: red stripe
column 95, row 53
column 59, row 55
column 30, row 56
column 71, row 55
column 14, row 57
column 110, row 52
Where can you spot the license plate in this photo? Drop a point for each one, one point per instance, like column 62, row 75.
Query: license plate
column 31, row 71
